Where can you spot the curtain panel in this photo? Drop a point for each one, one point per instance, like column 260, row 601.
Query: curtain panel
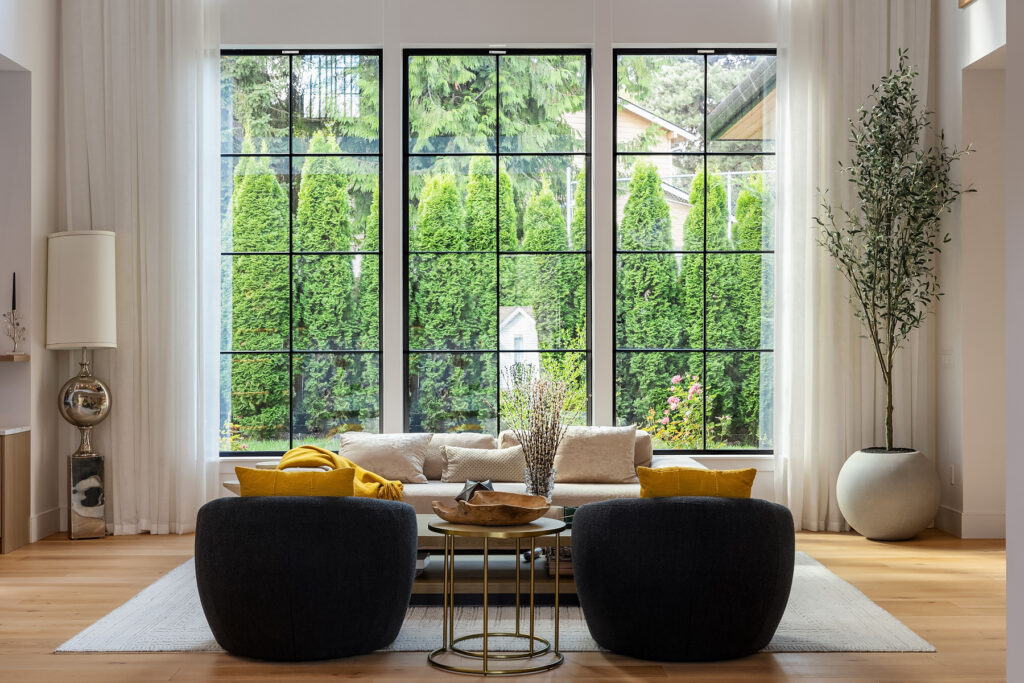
column 829, row 396
column 140, row 96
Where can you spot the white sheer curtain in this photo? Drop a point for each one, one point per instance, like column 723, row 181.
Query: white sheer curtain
column 140, row 96
column 829, row 398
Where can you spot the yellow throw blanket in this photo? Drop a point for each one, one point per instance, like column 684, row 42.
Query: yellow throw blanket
column 366, row 483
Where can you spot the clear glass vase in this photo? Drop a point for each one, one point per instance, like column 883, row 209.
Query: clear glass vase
column 539, row 485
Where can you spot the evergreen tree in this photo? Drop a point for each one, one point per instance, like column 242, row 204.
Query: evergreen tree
column 481, row 235
column 437, row 301
column 508, row 237
column 368, row 306
column 367, row 387
column 545, row 277
column 325, row 286
column 259, row 300
column 750, row 290
column 733, row 306
column 481, row 295
column 576, row 277
column 649, row 315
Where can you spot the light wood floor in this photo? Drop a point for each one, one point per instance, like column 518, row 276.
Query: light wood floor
column 951, row 592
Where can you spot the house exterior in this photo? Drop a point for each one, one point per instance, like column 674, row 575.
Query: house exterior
column 517, row 331
column 632, row 122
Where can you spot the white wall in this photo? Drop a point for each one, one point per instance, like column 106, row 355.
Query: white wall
column 352, row 23
column 15, row 239
column 970, row 365
column 29, row 38
column 1014, row 259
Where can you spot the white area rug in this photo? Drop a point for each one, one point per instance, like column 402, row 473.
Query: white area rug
column 824, row 614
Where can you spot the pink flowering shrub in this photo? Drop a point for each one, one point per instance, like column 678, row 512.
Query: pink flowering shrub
column 678, row 424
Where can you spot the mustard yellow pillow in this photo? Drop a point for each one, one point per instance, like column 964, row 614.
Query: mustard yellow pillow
column 254, row 482
column 663, row 482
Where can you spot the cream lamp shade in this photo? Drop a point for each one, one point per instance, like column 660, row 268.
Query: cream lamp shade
column 81, row 295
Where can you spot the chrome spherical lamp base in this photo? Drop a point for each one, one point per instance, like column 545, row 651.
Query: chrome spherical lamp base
column 84, row 401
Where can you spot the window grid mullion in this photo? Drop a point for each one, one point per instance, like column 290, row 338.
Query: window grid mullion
column 291, row 251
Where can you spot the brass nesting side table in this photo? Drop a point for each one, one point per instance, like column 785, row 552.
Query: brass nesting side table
column 450, row 644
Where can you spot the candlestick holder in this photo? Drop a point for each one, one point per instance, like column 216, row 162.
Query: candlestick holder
column 14, row 329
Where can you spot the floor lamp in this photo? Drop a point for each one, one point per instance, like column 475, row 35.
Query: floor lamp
column 81, row 313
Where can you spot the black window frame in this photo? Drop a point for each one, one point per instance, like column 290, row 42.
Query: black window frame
column 497, row 154
column 704, row 350
column 291, row 253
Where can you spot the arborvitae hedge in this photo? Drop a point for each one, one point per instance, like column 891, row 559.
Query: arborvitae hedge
column 546, row 283
column 649, row 314
column 576, row 277
column 366, row 390
column 259, row 300
column 438, row 301
column 750, row 285
column 325, row 314
column 733, row 306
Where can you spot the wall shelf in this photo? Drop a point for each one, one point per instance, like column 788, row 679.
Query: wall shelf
column 14, row 357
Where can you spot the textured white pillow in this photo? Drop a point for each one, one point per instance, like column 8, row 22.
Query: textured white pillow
column 433, row 466
column 479, row 464
column 592, row 455
column 392, row 456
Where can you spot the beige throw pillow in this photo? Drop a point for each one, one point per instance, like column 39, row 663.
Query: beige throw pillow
column 592, row 455
column 433, row 466
column 479, row 464
column 392, row 456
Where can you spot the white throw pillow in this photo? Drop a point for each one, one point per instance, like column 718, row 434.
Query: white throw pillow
column 433, row 466
column 592, row 455
column 392, row 456
column 480, row 464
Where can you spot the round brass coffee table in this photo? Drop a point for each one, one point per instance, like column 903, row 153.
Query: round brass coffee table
column 534, row 646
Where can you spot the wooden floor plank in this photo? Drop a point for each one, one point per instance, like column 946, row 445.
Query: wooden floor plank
column 950, row 591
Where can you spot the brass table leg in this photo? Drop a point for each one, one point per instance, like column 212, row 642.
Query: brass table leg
column 558, row 557
column 519, row 560
column 533, row 566
column 444, row 596
column 485, row 604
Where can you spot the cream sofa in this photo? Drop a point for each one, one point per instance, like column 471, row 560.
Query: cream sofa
column 420, row 496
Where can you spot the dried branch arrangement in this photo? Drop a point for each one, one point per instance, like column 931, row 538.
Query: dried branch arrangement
column 537, row 409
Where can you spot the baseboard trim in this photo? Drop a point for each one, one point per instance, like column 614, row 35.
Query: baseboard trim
column 970, row 525
column 983, row 525
column 44, row 524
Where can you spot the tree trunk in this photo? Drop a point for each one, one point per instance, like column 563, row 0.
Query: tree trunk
column 888, row 413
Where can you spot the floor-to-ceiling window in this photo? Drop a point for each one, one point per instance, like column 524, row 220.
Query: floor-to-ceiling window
column 694, row 188
column 497, row 251
column 300, row 247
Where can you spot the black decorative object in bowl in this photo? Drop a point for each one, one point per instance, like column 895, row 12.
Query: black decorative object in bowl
column 472, row 487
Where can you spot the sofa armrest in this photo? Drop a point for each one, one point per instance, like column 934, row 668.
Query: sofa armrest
column 675, row 460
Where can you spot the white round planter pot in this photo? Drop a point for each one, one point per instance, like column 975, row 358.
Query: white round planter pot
column 888, row 495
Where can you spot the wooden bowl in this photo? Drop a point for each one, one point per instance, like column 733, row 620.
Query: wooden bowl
column 493, row 508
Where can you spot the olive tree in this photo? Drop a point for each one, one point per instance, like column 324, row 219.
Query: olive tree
column 885, row 246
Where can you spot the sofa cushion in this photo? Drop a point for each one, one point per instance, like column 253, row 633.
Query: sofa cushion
column 478, row 464
column 393, row 456
column 433, row 465
column 593, row 455
column 643, row 448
